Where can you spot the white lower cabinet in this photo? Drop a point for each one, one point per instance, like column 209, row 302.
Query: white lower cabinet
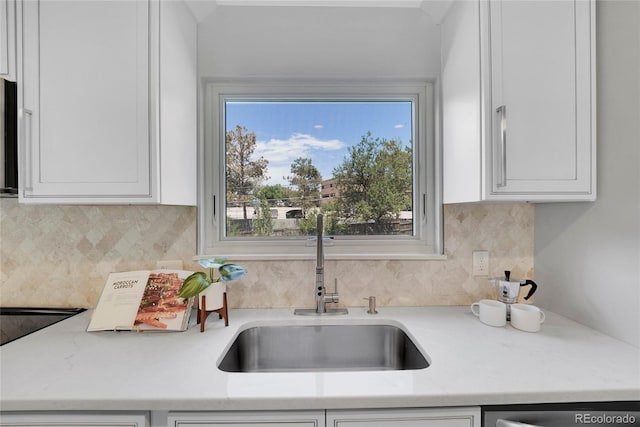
column 73, row 419
column 396, row 417
column 405, row 417
column 247, row 419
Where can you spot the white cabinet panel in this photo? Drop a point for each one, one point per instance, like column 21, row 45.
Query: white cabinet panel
column 462, row 151
column 178, row 104
column 522, row 127
column 8, row 40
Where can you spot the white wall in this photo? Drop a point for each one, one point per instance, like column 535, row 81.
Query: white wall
column 311, row 42
column 587, row 255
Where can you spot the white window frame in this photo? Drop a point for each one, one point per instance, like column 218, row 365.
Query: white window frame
column 427, row 240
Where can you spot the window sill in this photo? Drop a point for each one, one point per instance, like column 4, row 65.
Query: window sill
column 332, row 257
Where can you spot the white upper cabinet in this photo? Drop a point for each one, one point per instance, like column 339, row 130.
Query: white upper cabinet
column 8, row 40
column 522, row 127
column 107, row 102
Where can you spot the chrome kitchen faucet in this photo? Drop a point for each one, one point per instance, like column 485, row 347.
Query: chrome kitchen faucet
column 322, row 296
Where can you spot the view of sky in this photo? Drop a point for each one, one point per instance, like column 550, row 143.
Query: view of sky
column 320, row 130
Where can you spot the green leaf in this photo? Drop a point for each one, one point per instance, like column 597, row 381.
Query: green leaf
column 194, row 284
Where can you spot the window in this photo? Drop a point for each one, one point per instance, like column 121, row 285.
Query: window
column 278, row 154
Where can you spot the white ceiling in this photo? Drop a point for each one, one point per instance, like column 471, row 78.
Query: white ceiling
column 436, row 8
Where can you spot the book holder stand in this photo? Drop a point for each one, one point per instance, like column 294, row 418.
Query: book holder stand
column 203, row 313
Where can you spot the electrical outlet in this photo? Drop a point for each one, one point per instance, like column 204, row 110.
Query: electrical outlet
column 174, row 264
column 480, row 263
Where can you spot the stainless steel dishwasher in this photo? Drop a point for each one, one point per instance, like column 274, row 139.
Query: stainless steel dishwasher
column 591, row 414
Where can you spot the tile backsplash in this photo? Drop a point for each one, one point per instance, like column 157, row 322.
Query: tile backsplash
column 60, row 256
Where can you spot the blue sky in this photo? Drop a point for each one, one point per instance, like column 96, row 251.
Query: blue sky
column 319, row 130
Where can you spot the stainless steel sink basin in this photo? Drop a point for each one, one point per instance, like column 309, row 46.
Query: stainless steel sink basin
column 310, row 348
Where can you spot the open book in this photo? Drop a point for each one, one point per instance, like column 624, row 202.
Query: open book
column 142, row 300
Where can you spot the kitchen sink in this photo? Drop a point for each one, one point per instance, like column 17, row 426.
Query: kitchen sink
column 311, row 348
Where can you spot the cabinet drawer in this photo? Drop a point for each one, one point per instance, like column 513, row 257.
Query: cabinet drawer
column 454, row 417
column 247, row 419
column 75, row 419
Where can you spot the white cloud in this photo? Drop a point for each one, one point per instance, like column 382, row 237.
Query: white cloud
column 298, row 145
column 277, row 150
column 399, row 126
column 282, row 152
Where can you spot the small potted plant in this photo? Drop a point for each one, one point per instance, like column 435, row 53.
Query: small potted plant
column 211, row 289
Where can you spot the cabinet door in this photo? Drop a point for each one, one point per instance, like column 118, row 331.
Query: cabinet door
column 247, row 419
column 542, row 90
column 455, row 417
column 57, row 419
column 85, row 105
column 8, row 39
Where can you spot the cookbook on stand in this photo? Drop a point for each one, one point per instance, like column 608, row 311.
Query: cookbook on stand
column 146, row 300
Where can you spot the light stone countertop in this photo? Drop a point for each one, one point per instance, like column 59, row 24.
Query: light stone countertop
column 66, row 368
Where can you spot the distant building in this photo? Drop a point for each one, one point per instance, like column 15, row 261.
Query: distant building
column 329, row 190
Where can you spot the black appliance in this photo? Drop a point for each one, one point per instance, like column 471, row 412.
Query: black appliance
column 591, row 414
column 16, row 322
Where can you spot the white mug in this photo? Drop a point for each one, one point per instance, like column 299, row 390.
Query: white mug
column 490, row 312
column 526, row 317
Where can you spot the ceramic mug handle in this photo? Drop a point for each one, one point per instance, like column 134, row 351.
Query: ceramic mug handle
column 475, row 304
column 542, row 316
